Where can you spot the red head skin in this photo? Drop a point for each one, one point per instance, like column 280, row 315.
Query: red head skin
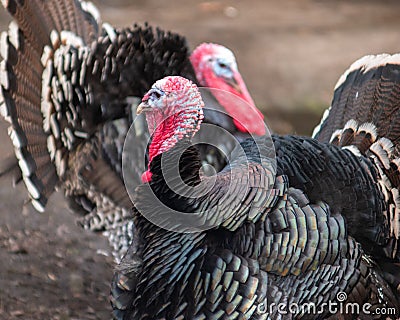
column 173, row 108
column 215, row 67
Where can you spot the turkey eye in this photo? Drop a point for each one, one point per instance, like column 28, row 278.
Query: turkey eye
column 155, row 95
column 222, row 65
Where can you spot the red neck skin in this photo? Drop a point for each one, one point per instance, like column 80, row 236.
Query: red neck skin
column 168, row 132
column 246, row 117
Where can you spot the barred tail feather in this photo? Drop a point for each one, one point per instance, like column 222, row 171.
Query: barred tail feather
column 363, row 140
column 368, row 92
column 20, row 89
column 21, row 71
column 364, row 118
column 37, row 19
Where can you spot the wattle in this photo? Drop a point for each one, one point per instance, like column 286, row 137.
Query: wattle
column 182, row 123
column 252, row 127
column 246, row 117
column 146, row 176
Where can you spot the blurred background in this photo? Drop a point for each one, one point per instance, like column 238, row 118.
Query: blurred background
column 290, row 53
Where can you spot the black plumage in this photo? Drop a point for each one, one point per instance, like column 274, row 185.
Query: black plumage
column 86, row 110
column 296, row 240
column 294, row 250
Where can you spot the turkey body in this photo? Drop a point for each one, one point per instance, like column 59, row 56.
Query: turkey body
column 282, row 237
column 298, row 251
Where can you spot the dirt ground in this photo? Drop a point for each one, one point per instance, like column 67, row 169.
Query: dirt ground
column 290, row 52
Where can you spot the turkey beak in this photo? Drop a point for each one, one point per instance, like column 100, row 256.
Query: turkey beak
column 142, row 107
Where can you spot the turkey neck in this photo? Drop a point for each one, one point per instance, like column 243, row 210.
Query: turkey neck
column 170, row 260
column 173, row 172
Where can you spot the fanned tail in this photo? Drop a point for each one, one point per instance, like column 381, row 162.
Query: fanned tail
column 67, row 82
column 22, row 47
column 368, row 92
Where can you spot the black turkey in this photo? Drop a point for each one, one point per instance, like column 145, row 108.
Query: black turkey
column 68, row 83
column 261, row 233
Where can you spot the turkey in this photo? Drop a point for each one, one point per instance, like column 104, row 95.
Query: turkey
column 368, row 92
column 68, row 83
column 256, row 235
